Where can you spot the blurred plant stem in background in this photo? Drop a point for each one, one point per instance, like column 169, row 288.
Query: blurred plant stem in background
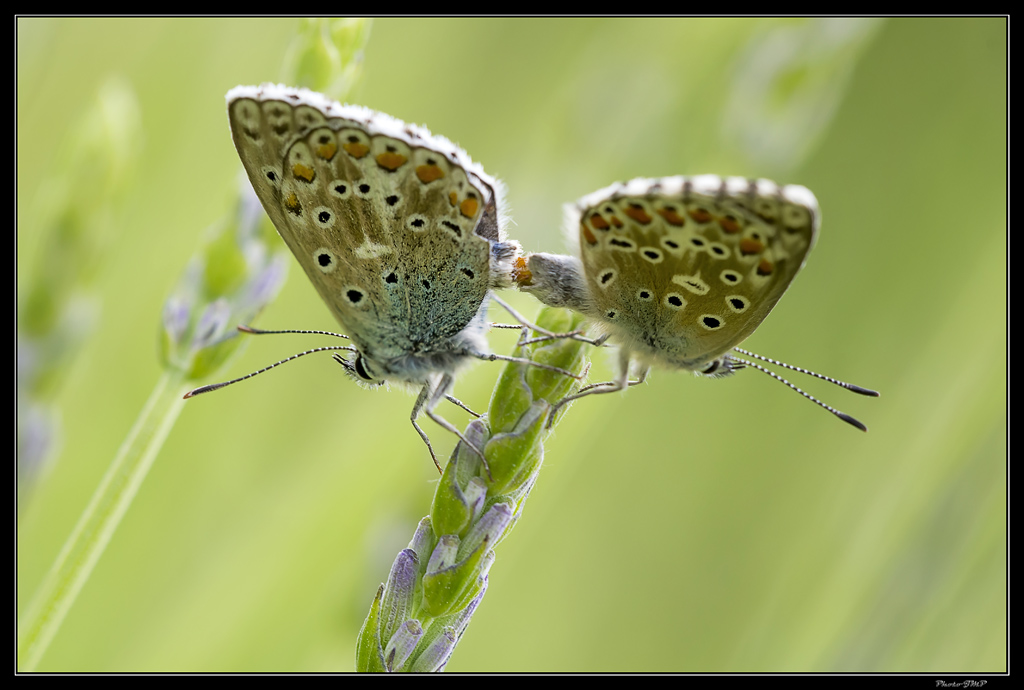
column 786, row 86
column 74, row 215
column 436, row 583
column 236, row 273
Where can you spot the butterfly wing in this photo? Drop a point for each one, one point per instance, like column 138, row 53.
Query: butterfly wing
column 393, row 226
column 684, row 269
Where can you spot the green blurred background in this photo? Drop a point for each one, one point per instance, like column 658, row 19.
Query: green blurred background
column 687, row 525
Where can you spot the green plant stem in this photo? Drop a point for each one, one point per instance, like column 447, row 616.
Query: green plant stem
column 99, row 521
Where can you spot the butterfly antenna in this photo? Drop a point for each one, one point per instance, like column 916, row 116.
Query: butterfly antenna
column 215, row 386
column 842, row 415
column 847, row 386
column 259, row 331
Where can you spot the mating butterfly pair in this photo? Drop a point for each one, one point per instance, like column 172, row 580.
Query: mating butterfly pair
column 402, row 235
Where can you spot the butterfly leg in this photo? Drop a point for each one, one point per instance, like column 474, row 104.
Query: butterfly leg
column 491, row 357
column 417, row 407
column 596, row 342
column 641, row 377
column 575, row 335
column 621, row 381
column 455, row 401
column 525, row 339
column 430, row 401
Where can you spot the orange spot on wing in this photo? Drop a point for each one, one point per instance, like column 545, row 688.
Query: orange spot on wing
column 616, row 222
column 671, row 217
column 598, row 222
column 701, row 215
column 356, row 149
column 391, row 161
column 730, row 224
column 637, row 213
column 748, row 246
column 291, row 202
column 429, row 173
column 327, row 151
column 469, row 207
column 453, row 198
column 765, row 268
column 587, row 235
column 303, row 172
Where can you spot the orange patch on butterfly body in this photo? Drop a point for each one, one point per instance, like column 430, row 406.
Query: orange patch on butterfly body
column 520, row 273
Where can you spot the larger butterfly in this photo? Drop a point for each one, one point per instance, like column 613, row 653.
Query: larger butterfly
column 678, row 271
column 398, row 230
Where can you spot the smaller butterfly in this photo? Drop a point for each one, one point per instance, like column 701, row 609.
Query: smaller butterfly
column 678, row 271
column 399, row 231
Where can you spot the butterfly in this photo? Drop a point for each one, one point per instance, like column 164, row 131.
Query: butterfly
column 399, row 231
column 678, row 271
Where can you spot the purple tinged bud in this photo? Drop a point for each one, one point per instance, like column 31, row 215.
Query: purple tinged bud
column 437, row 653
column 398, row 593
column 475, row 494
column 444, row 554
column 211, row 324
column 175, row 318
column 423, row 541
column 489, row 528
column 402, row 644
column 264, row 287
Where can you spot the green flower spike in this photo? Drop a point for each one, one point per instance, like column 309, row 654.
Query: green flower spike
column 436, row 583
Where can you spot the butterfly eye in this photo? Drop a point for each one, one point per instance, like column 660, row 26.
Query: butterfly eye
column 720, row 367
column 361, row 370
